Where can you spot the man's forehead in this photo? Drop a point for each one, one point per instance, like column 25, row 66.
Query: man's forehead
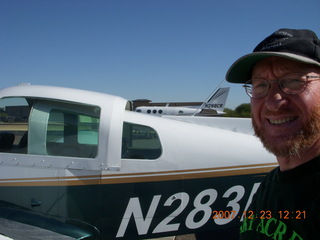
column 283, row 64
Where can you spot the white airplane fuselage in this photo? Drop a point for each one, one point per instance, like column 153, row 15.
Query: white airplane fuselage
column 166, row 110
column 213, row 106
column 86, row 164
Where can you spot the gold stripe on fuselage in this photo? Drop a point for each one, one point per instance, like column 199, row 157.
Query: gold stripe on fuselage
column 142, row 177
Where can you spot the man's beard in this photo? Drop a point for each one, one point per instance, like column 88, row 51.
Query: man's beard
column 292, row 145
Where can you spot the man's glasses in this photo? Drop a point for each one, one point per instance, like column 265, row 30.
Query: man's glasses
column 291, row 84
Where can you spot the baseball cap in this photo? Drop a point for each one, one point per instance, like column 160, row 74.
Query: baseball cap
column 297, row 44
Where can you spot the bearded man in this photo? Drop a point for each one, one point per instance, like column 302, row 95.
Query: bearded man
column 282, row 78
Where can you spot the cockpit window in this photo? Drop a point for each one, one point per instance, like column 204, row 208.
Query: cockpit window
column 72, row 134
column 14, row 114
column 140, row 142
column 48, row 127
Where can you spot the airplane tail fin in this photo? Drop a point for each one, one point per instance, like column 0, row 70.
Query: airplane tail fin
column 216, row 102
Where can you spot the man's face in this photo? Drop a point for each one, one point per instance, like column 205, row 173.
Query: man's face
column 286, row 124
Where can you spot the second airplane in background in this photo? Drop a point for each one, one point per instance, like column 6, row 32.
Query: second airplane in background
column 213, row 106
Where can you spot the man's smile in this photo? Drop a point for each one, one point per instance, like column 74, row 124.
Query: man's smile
column 282, row 121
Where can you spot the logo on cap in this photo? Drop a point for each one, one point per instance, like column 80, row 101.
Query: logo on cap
column 274, row 41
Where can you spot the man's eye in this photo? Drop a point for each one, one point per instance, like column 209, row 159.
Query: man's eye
column 260, row 85
column 293, row 83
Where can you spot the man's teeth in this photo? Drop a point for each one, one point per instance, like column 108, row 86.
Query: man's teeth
column 281, row 121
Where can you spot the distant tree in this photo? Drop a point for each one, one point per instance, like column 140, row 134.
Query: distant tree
column 229, row 112
column 243, row 111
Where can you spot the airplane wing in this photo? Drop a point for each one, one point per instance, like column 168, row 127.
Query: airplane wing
column 22, row 225
column 14, row 230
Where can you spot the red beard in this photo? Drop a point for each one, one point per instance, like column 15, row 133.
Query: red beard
column 291, row 145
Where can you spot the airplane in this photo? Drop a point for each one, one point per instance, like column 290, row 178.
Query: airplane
column 213, row 106
column 76, row 164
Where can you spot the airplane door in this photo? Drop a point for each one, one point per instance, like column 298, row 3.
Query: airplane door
column 26, row 180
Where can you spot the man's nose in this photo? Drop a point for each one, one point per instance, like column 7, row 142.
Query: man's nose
column 275, row 98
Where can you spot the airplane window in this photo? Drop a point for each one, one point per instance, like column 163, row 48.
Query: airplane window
column 160, row 111
column 140, row 142
column 149, row 111
column 154, row 111
column 48, row 130
column 14, row 114
column 72, row 134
